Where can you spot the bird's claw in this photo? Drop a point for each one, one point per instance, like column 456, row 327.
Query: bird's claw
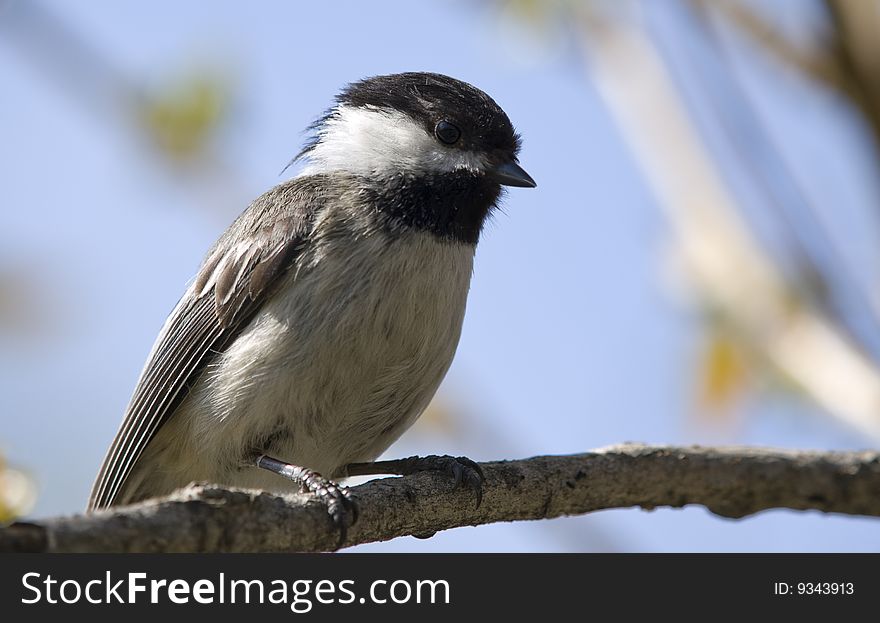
column 464, row 471
column 340, row 502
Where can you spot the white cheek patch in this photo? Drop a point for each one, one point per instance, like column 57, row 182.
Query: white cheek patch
column 382, row 142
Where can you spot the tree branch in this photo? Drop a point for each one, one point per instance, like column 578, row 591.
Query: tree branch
column 731, row 482
column 812, row 61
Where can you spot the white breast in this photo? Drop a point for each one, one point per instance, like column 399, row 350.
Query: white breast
column 340, row 361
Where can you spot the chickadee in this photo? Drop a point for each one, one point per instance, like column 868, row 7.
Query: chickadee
column 323, row 320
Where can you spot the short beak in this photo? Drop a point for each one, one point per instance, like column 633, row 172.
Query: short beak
column 511, row 174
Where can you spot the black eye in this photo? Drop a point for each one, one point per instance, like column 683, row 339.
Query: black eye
column 447, row 132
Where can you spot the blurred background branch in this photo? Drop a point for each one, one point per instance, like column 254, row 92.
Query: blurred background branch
column 854, row 49
column 805, row 321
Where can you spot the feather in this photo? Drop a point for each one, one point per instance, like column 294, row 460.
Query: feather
column 233, row 283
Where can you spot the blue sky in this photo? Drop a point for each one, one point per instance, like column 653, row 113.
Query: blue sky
column 570, row 342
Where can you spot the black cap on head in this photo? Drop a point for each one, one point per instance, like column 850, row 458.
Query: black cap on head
column 431, row 99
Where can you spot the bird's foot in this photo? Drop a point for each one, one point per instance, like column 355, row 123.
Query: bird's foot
column 341, row 505
column 464, row 471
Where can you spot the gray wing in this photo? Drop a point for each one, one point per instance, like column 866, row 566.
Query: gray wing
column 233, row 283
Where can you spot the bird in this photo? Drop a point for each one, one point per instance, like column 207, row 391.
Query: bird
column 322, row 321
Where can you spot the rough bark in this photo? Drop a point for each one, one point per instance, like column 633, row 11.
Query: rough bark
column 731, row 482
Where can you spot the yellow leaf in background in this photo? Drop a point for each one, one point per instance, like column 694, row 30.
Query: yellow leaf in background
column 18, row 493
column 184, row 117
column 527, row 8
column 724, row 372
